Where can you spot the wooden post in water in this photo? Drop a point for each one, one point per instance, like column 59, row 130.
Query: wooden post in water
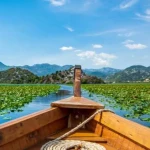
column 77, row 81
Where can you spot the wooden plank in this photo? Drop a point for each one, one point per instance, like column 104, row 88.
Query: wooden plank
column 77, row 81
column 6, row 147
column 136, row 132
column 98, row 129
column 43, row 132
column 82, row 134
column 37, row 136
column 91, row 125
column 16, row 145
column 119, row 142
column 77, row 102
column 108, row 147
column 29, row 124
column 90, row 139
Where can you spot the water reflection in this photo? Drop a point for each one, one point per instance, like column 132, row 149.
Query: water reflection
column 39, row 103
column 63, row 92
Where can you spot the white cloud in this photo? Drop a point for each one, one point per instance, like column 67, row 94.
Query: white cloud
column 57, row 2
column 136, row 46
column 127, row 3
column 100, row 62
column 107, row 56
column 86, row 54
column 97, row 46
column 98, row 59
column 145, row 17
column 69, row 29
column 132, row 45
column 65, row 48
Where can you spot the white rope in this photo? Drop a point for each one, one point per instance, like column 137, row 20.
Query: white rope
column 45, row 146
column 73, row 144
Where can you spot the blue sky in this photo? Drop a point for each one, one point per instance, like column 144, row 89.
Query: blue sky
column 92, row 33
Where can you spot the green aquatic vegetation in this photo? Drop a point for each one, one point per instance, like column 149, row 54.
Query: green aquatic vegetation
column 134, row 98
column 14, row 97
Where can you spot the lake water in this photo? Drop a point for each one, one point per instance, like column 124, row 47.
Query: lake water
column 41, row 103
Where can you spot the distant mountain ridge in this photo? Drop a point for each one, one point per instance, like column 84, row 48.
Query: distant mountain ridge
column 46, row 69
column 136, row 73
column 23, row 76
column 101, row 73
column 3, row 67
column 38, row 69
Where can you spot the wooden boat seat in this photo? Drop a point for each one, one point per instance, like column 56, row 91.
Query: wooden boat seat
column 81, row 134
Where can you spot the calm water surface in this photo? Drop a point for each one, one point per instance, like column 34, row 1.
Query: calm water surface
column 41, row 103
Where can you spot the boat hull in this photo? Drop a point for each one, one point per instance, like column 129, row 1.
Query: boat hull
column 120, row 133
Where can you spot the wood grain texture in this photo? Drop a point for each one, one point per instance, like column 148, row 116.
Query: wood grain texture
column 120, row 142
column 81, row 134
column 77, row 102
column 77, row 82
column 95, row 127
column 130, row 130
column 107, row 146
column 20, row 127
column 36, row 136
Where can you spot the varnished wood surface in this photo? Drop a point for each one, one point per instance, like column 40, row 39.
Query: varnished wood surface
column 120, row 142
column 25, row 125
column 36, row 136
column 77, row 102
column 77, row 82
column 78, row 135
column 82, row 134
column 129, row 131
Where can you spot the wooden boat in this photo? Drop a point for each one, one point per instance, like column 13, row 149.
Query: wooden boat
column 105, row 128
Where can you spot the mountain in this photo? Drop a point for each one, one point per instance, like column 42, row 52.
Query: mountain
column 135, row 73
column 45, row 69
column 18, row 76
column 3, row 67
column 102, row 73
column 38, row 69
column 67, row 77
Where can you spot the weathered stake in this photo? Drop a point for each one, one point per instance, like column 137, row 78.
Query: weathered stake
column 77, row 81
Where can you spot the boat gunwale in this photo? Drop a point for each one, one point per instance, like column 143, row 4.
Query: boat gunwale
column 28, row 124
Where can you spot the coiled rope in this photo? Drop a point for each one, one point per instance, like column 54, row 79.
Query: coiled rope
column 65, row 144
